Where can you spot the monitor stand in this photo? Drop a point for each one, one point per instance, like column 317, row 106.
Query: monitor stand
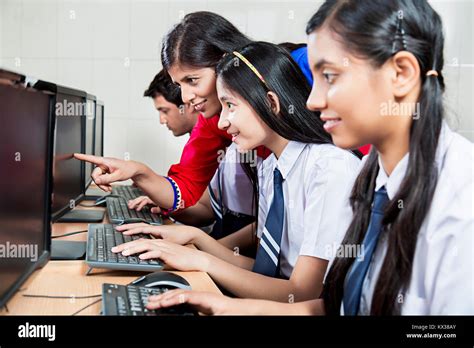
column 83, row 215
column 67, row 250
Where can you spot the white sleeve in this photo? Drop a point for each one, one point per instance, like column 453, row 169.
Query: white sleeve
column 327, row 212
column 450, row 264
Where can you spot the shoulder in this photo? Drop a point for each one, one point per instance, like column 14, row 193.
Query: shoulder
column 330, row 157
column 450, row 213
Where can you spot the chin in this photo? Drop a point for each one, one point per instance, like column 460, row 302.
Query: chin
column 344, row 143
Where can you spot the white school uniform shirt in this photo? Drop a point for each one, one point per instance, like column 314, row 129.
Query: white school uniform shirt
column 317, row 179
column 442, row 280
column 236, row 187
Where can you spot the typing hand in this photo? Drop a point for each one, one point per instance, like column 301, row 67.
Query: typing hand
column 179, row 234
column 140, row 202
column 109, row 170
column 176, row 256
column 205, row 302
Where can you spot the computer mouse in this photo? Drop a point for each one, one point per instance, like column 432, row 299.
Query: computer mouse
column 162, row 279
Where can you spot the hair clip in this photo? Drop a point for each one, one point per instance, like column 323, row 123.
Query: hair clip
column 400, row 33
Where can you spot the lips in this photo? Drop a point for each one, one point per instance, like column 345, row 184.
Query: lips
column 234, row 135
column 330, row 122
column 199, row 106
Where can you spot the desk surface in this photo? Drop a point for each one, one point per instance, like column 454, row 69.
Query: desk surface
column 68, row 278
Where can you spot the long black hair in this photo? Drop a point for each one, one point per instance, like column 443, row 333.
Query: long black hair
column 283, row 77
column 200, row 40
column 376, row 30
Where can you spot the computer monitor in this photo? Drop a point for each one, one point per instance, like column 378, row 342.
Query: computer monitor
column 89, row 137
column 99, row 129
column 67, row 171
column 25, row 183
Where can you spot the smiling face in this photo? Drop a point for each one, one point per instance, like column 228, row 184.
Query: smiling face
column 198, row 88
column 348, row 92
column 240, row 120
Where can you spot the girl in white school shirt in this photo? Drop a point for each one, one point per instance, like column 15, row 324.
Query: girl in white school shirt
column 364, row 54
column 263, row 95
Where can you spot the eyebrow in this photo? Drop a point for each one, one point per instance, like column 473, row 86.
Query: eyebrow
column 320, row 63
column 224, row 98
column 188, row 77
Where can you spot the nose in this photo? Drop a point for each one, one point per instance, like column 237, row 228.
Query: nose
column 317, row 99
column 187, row 95
column 162, row 118
column 224, row 122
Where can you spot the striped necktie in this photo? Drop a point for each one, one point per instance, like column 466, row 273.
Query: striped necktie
column 268, row 253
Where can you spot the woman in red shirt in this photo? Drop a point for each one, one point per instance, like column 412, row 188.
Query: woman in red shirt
column 190, row 52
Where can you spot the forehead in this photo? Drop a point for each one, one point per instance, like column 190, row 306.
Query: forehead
column 178, row 71
column 223, row 90
column 322, row 44
column 160, row 101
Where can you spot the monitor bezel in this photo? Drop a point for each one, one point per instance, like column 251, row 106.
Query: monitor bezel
column 45, row 255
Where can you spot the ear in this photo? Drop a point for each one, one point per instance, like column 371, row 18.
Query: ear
column 274, row 102
column 407, row 74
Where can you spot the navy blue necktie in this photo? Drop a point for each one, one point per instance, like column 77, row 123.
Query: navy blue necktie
column 356, row 275
column 268, row 253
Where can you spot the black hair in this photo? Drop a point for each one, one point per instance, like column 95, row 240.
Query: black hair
column 200, row 40
column 376, row 30
column 291, row 46
column 163, row 85
column 283, row 77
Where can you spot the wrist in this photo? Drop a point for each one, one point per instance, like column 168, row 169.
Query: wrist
column 197, row 237
column 205, row 261
column 141, row 172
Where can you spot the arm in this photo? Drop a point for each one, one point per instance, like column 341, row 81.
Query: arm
column 305, row 282
column 212, row 304
column 242, row 239
column 200, row 214
column 192, row 175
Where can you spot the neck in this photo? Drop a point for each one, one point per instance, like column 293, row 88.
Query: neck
column 192, row 122
column 393, row 148
column 277, row 144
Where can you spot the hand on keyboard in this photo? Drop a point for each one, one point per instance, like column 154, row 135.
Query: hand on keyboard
column 176, row 256
column 205, row 302
column 140, row 202
column 179, row 234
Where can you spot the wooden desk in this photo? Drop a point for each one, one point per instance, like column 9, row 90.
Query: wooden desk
column 68, row 278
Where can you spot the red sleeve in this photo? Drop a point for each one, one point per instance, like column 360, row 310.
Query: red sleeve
column 198, row 161
column 365, row 149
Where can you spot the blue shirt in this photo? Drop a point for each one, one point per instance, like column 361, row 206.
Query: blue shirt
column 300, row 56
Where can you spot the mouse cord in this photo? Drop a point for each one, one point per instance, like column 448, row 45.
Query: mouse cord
column 85, row 307
column 68, row 234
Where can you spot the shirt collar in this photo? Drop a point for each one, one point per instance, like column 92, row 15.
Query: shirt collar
column 289, row 157
column 392, row 183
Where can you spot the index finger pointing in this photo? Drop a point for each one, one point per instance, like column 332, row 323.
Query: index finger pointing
column 89, row 158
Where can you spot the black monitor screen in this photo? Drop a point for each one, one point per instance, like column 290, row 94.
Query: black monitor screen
column 24, row 184
column 67, row 171
column 89, row 140
column 99, row 130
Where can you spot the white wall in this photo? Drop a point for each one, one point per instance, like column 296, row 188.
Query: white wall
column 111, row 49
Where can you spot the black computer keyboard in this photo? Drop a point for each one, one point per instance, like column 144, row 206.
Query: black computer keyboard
column 128, row 192
column 119, row 213
column 131, row 300
column 102, row 238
